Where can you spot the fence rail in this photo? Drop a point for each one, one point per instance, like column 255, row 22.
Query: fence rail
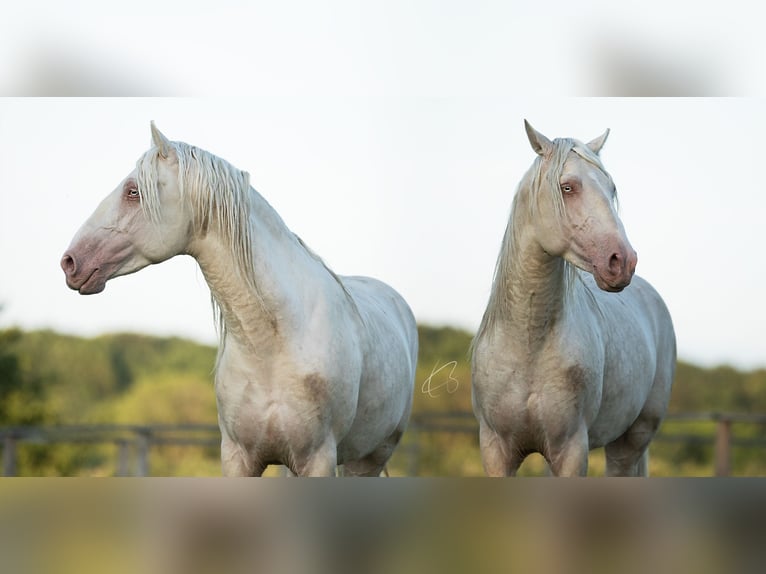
column 141, row 438
column 127, row 438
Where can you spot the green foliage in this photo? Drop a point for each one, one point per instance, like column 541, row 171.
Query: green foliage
column 720, row 389
column 22, row 395
column 166, row 398
column 10, row 377
column 80, row 374
column 50, row 378
column 443, row 344
column 170, row 398
column 443, row 376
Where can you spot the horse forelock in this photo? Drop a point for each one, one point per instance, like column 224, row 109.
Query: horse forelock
column 542, row 181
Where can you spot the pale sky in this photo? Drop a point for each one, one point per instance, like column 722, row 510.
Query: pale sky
column 382, row 48
column 413, row 190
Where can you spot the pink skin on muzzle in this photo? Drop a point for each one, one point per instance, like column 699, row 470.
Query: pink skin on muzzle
column 618, row 271
column 89, row 265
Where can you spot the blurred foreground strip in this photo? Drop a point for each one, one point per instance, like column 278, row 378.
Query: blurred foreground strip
column 196, row 526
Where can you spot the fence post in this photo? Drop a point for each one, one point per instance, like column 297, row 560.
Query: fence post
column 413, row 464
column 9, row 456
column 143, row 453
column 723, row 447
column 122, row 457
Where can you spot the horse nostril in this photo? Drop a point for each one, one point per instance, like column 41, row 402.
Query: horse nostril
column 615, row 264
column 68, row 264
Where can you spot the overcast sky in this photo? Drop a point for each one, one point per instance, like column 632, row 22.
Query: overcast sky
column 413, row 190
column 382, row 47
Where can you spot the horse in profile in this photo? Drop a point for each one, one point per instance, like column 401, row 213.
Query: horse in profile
column 574, row 352
column 313, row 370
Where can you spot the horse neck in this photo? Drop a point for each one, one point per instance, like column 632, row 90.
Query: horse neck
column 256, row 308
column 530, row 287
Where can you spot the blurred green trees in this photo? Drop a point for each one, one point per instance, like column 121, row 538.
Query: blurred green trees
column 22, row 394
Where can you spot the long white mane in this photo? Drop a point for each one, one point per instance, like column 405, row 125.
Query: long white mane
column 221, row 199
column 540, row 183
column 220, row 196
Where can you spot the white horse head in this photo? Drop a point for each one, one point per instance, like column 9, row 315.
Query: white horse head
column 173, row 196
column 123, row 234
column 573, row 211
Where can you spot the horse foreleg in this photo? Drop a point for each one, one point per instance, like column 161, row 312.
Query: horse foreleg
column 497, row 457
column 322, row 462
column 628, row 455
column 571, row 457
column 373, row 464
column 642, row 467
column 234, row 461
column 625, row 461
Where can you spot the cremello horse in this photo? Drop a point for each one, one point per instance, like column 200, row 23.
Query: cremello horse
column 571, row 354
column 313, row 369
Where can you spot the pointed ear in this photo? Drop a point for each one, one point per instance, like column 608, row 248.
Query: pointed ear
column 541, row 144
column 160, row 141
column 596, row 144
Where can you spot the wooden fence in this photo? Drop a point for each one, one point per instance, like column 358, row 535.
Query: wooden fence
column 139, row 439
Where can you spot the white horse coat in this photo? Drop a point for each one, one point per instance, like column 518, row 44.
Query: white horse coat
column 313, row 369
column 573, row 351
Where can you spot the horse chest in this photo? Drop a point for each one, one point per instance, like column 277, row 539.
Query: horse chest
column 539, row 386
column 264, row 406
column 282, row 404
column 546, row 388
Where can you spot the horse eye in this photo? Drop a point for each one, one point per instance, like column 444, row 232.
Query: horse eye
column 133, row 193
column 566, row 188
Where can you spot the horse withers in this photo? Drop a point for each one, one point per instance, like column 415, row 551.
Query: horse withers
column 313, row 369
column 574, row 351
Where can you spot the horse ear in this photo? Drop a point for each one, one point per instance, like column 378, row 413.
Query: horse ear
column 596, row 144
column 540, row 143
column 160, row 141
